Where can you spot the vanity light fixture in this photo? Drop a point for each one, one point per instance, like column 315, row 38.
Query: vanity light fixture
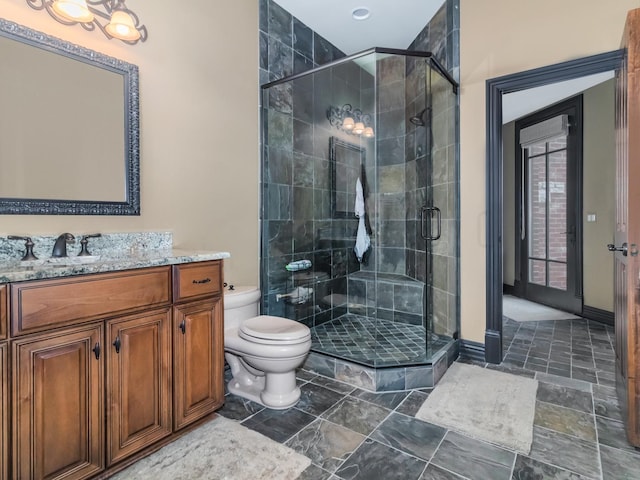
column 350, row 120
column 112, row 17
column 73, row 10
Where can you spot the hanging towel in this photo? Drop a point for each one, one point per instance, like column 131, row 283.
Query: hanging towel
column 363, row 242
column 358, row 209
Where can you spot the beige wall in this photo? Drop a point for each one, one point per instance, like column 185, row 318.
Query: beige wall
column 499, row 37
column 199, row 127
column 598, row 196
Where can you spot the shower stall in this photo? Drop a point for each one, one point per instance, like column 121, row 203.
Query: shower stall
column 359, row 218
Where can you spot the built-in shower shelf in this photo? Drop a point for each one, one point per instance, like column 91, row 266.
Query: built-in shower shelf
column 395, row 297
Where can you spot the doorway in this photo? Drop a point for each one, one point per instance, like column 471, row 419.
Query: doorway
column 495, row 89
column 549, row 196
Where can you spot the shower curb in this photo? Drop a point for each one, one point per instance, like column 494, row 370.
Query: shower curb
column 384, row 379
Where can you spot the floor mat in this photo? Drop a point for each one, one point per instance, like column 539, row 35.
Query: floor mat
column 219, row 450
column 484, row 404
column 522, row 310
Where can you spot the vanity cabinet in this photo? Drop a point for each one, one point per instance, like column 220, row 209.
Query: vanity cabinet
column 58, row 404
column 106, row 367
column 198, row 342
column 198, row 360
column 138, row 359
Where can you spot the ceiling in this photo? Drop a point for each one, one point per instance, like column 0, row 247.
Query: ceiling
column 395, row 24
column 391, row 24
column 518, row 104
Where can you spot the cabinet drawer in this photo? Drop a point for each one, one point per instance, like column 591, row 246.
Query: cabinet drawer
column 3, row 311
column 197, row 279
column 44, row 304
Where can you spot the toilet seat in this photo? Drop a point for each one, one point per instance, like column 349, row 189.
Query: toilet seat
column 268, row 330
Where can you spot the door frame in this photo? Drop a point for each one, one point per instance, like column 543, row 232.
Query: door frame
column 495, row 88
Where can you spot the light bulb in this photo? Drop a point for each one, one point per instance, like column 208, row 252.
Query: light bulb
column 348, row 123
column 122, row 27
column 368, row 132
column 73, row 10
column 358, row 128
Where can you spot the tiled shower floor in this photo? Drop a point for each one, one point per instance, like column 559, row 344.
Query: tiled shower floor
column 375, row 342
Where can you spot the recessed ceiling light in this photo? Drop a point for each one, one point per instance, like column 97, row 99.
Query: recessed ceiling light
column 361, row 13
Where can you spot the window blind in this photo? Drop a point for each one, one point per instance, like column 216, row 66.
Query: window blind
column 544, row 131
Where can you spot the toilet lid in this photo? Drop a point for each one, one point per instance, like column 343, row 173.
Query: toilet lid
column 266, row 327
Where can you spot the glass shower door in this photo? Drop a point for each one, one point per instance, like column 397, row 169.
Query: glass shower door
column 442, row 214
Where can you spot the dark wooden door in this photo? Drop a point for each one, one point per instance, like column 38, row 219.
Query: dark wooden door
column 58, row 408
column 627, row 235
column 198, row 348
column 138, row 382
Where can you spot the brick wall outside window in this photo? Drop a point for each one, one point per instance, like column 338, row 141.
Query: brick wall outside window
column 548, row 171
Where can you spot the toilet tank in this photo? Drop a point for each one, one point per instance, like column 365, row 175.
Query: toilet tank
column 239, row 304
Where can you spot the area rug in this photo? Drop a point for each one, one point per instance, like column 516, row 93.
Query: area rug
column 219, row 450
column 522, row 310
column 484, row 404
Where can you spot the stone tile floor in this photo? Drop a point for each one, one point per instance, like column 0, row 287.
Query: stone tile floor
column 375, row 342
column 350, row 433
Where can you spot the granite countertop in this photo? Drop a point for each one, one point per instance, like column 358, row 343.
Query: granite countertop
column 17, row 271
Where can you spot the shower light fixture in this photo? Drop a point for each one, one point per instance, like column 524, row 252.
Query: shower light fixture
column 361, row 13
column 112, row 17
column 350, row 120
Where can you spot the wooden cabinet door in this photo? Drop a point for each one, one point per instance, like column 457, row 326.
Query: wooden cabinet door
column 138, row 382
column 3, row 312
column 58, row 409
column 198, row 348
column 4, row 413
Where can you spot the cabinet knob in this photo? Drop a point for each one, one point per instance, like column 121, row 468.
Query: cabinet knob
column 96, row 350
column 183, row 327
column 116, row 344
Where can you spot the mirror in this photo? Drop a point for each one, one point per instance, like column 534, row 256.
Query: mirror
column 69, row 128
column 346, row 166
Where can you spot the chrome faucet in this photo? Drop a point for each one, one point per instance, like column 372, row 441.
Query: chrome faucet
column 60, row 247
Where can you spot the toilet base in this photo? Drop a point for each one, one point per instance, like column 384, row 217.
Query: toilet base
column 276, row 390
column 250, row 392
column 256, row 392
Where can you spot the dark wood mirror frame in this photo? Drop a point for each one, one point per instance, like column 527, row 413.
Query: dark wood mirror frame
column 131, row 160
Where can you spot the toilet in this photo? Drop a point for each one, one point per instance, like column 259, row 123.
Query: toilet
column 263, row 351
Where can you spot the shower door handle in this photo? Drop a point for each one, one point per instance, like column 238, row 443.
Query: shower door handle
column 423, row 222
